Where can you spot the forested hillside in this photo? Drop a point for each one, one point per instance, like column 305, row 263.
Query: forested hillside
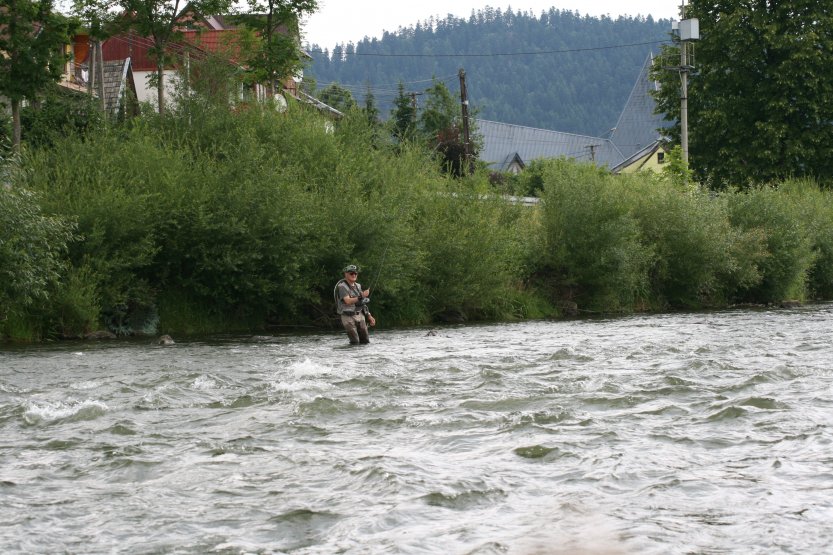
column 558, row 70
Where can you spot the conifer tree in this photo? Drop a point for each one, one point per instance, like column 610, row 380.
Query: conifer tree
column 370, row 109
column 403, row 115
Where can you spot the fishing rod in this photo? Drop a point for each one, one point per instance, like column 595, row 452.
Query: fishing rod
column 379, row 271
column 381, row 262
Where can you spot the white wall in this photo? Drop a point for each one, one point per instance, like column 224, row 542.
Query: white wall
column 146, row 93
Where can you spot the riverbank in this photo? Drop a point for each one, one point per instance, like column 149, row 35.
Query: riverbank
column 240, row 221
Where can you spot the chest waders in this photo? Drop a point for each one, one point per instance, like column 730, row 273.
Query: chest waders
column 356, row 328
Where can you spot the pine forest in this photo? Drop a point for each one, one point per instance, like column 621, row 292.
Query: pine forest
column 558, row 70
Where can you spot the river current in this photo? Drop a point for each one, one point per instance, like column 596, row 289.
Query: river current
column 648, row 434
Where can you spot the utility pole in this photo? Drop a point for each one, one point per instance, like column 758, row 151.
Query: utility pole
column 464, row 101
column 413, row 96
column 683, row 91
column 592, row 152
column 689, row 31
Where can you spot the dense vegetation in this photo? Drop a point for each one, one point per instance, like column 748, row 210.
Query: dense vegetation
column 225, row 215
column 214, row 220
column 578, row 84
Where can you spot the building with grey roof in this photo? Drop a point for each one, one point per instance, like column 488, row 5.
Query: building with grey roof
column 119, row 86
column 508, row 147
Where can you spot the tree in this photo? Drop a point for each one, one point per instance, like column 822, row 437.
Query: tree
column 162, row 22
column 403, row 115
column 761, row 99
column 32, row 37
column 338, row 97
column 441, row 110
column 441, row 124
column 276, row 23
column 370, row 108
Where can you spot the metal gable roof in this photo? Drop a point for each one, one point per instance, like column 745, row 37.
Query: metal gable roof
column 638, row 125
column 636, row 130
column 501, row 141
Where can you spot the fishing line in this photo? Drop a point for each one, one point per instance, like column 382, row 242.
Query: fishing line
column 385, row 252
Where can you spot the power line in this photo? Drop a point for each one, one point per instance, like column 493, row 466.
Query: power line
column 485, row 55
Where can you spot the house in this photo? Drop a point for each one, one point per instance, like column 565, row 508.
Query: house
column 632, row 145
column 119, row 84
column 205, row 37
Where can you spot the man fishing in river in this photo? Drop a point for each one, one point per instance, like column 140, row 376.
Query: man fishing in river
column 351, row 303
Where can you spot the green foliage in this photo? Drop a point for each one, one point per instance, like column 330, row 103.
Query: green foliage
column 403, row 115
column 33, row 58
column 338, row 97
column 275, row 22
column 759, row 102
column 789, row 246
column 209, row 78
column 370, row 108
column 814, row 210
column 58, row 114
column 31, row 248
column 441, row 124
column 530, row 182
column 693, row 242
column 441, row 111
column 468, row 246
column 215, row 219
column 594, row 250
column 676, row 170
column 75, row 307
column 161, row 21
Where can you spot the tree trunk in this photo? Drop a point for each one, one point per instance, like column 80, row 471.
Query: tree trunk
column 16, row 125
column 160, row 88
column 101, row 79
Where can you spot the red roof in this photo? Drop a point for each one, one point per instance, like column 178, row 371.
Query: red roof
column 198, row 43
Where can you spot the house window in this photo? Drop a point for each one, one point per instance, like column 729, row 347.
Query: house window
column 660, row 157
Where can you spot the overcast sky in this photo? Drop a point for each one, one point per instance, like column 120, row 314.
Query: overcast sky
column 342, row 21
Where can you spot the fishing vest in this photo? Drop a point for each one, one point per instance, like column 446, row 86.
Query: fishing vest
column 342, row 290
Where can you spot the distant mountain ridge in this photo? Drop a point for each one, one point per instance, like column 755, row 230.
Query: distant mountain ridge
column 558, row 70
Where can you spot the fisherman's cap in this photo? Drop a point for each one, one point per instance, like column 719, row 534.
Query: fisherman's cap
column 350, row 268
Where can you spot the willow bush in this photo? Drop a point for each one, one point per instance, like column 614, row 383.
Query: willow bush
column 32, row 244
column 469, row 254
column 699, row 260
column 594, row 253
column 813, row 209
column 789, row 257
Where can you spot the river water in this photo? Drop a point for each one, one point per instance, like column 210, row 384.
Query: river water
column 684, row 433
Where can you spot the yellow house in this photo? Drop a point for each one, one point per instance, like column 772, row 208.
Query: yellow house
column 650, row 158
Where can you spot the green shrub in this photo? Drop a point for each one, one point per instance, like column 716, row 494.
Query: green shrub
column 60, row 113
column 699, row 259
column 75, row 307
column 594, row 250
column 31, row 247
column 814, row 209
column 789, row 247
